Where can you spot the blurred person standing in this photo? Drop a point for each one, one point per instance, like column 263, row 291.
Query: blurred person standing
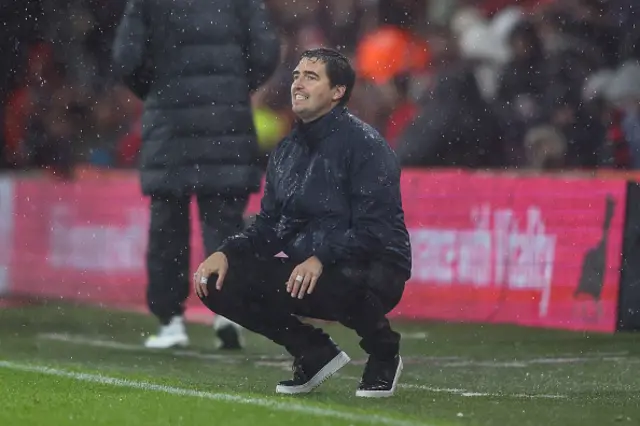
column 453, row 126
column 623, row 93
column 195, row 64
column 545, row 149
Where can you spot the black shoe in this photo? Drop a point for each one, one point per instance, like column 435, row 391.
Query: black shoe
column 380, row 378
column 229, row 338
column 310, row 370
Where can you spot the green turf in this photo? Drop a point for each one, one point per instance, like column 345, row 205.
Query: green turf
column 601, row 388
column 34, row 396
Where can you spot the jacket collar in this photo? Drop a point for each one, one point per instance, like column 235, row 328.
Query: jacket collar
column 318, row 129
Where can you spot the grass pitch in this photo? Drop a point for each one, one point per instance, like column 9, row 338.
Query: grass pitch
column 71, row 365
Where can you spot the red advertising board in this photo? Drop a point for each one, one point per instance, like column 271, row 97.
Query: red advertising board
column 535, row 251
column 532, row 251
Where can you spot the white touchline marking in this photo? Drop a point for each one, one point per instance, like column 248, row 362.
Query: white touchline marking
column 225, row 397
column 80, row 340
column 227, row 358
column 60, row 337
column 441, row 361
column 284, row 364
column 467, row 393
column 416, row 335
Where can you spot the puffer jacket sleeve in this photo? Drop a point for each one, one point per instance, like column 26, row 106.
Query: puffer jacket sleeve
column 262, row 46
column 129, row 49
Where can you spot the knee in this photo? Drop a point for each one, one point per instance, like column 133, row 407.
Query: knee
column 237, row 284
column 219, row 301
column 211, row 300
column 243, row 270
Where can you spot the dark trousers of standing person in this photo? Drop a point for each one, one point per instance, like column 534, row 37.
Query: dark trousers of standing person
column 358, row 296
column 168, row 253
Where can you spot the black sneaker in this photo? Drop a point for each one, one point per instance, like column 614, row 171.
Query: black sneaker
column 229, row 338
column 228, row 333
column 310, row 370
column 380, row 378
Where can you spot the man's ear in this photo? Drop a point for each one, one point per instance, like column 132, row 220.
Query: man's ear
column 339, row 93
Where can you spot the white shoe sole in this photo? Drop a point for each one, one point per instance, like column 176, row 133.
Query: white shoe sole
column 157, row 343
column 327, row 371
column 383, row 393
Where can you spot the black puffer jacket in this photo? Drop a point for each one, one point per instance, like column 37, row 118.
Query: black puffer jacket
column 195, row 63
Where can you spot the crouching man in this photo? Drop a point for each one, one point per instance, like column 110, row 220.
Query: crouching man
column 332, row 204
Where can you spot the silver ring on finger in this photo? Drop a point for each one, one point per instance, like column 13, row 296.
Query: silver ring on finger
column 299, row 278
column 203, row 280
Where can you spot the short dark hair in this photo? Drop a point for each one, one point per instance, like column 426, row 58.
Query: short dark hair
column 339, row 69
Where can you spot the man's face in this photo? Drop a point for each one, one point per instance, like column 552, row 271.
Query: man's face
column 311, row 93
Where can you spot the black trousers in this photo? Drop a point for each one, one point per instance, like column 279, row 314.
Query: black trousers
column 358, row 296
column 168, row 250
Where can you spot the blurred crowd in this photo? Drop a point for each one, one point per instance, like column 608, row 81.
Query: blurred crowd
column 537, row 84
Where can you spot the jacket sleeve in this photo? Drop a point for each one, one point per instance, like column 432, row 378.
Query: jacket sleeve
column 261, row 238
column 375, row 201
column 129, row 48
column 262, row 46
